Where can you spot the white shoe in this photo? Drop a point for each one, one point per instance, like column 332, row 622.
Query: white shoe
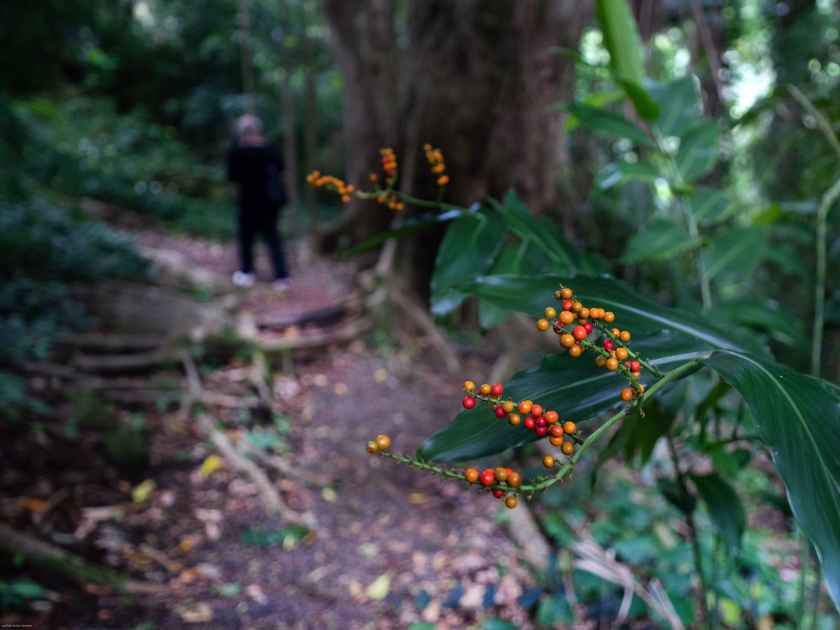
column 280, row 285
column 242, row 280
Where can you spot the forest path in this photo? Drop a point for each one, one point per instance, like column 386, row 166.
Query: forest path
column 390, row 546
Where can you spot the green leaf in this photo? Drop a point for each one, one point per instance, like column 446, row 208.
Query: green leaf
column 676, row 495
column 679, row 104
column 469, row 247
column 766, row 317
column 607, row 123
column 645, row 106
column 576, row 389
column 532, row 293
column 738, row 250
column 724, row 507
column 709, row 205
column 619, row 173
column 698, row 151
column 540, row 231
column 660, row 240
column 798, row 417
column 515, row 258
column 621, row 37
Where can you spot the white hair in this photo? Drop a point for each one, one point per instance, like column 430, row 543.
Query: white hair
column 248, row 124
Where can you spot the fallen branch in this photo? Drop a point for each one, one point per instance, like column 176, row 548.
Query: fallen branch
column 124, row 362
column 112, row 341
column 68, row 564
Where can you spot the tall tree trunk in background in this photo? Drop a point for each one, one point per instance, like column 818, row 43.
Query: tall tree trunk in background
column 245, row 61
column 287, row 107
column 310, row 123
column 475, row 78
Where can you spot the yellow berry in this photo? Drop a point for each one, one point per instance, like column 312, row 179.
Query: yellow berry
column 543, row 325
column 383, row 442
column 550, row 312
column 484, row 390
column 548, row 461
column 469, row 386
column 508, row 406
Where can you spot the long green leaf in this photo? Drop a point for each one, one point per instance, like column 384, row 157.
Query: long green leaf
column 608, row 123
column 576, row 389
column 660, row 240
column 724, row 507
column 621, row 36
column 621, row 172
column 738, row 250
column 798, row 417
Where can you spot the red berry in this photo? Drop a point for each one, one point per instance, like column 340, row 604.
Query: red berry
column 536, row 410
column 488, row 477
column 635, row 366
column 588, row 327
column 468, row 402
column 496, row 390
column 530, row 423
column 609, row 346
column 498, row 493
column 500, row 413
column 556, row 430
column 567, row 305
column 541, row 422
column 541, row 431
column 579, row 332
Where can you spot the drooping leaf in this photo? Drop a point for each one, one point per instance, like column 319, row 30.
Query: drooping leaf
column 767, row 317
column 724, row 507
column 798, row 417
column 544, row 234
column 645, row 106
column 607, row 123
column 738, row 250
column 516, row 258
column 660, row 240
column 676, row 495
column 679, row 104
column 469, row 247
column 709, row 205
column 698, row 151
column 576, row 389
column 622, row 172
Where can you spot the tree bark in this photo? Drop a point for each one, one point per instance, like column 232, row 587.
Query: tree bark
column 477, row 79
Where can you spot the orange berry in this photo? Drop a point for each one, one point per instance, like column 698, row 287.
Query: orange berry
column 609, row 317
column 536, row 410
column 511, row 501
column 569, row 427
column 550, row 312
column 556, row 441
column 566, row 340
column 525, row 406
column 612, row 364
column 585, row 313
column 548, row 461
column 566, row 293
column 600, row 361
column 514, row 479
column 502, row 474
column 625, row 336
column 484, row 390
column 576, row 307
column 543, row 325
column 621, row 354
column 515, row 419
column 508, row 406
column 469, row 386
column 627, row 394
column 566, row 317
column 471, row 475
column 568, row 448
column 372, row 448
column 383, row 442
column 575, row 351
column 551, row 416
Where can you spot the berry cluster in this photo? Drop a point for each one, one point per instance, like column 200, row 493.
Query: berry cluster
column 436, row 162
column 582, row 328
column 389, row 162
column 499, row 479
column 531, row 415
column 331, row 183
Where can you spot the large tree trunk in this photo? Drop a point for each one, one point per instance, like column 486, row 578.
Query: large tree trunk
column 477, row 79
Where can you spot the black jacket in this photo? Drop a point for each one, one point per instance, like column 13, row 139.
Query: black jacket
column 257, row 172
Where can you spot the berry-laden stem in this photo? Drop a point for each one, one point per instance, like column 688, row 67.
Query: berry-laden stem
column 416, row 201
column 416, row 463
column 668, row 377
column 633, row 355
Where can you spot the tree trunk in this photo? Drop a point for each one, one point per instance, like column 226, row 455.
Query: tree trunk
column 477, row 79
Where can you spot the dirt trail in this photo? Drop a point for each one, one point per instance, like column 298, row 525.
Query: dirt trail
column 392, row 546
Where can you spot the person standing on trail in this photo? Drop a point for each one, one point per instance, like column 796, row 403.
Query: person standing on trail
column 256, row 168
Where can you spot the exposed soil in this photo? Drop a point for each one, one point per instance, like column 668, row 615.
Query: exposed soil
column 391, row 546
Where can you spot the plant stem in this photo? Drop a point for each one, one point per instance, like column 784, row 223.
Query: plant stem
column 696, row 550
column 828, row 200
column 416, row 201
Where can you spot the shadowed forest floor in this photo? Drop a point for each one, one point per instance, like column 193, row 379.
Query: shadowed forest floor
column 390, row 546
